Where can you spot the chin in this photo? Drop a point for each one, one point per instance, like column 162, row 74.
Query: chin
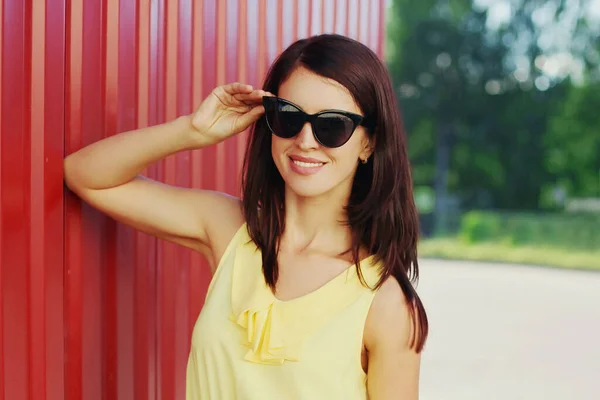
column 303, row 187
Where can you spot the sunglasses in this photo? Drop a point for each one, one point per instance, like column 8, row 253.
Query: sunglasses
column 331, row 128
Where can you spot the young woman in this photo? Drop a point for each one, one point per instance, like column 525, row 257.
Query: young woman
column 311, row 295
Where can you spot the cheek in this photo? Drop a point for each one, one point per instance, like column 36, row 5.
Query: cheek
column 344, row 163
column 349, row 153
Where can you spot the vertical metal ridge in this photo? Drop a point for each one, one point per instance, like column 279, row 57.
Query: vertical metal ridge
column 335, row 16
column 37, row 223
column 295, row 23
column 110, row 107
column 2, row 250
column 365, row 22
column 126, row 238
column 373, row 23
column 279, row 38
column 311, row 20
column 197, row 263
column 166, row 269
column 229, row 57
column 360, row 28
column 221, row 37
column 262, row 39
column 242, row 77
column 29, row 150
column 323, row 8
column 197, row 86
column 347, row 25
column 141, row 326
column 155, row 251
column 182, row 264
column 53, row 209
column 15, row 209
column 73, row 232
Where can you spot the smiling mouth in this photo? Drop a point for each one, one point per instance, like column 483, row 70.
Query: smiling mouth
column 307, row 164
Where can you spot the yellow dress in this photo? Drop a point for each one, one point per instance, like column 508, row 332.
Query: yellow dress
column 248, row 345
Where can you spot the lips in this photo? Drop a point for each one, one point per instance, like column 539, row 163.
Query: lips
column 305, row 165
column 308, row 160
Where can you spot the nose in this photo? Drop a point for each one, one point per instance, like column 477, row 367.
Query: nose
column 305, row 139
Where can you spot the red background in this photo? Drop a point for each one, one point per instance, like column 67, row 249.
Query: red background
column 90, row 309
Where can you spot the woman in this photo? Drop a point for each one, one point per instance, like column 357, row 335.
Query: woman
column 311, row 295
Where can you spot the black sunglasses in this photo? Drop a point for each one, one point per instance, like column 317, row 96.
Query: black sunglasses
column 331, row 128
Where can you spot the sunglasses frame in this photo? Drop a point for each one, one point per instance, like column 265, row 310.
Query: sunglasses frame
column 357, row 120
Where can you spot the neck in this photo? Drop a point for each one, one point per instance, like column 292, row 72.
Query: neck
column 316, row 223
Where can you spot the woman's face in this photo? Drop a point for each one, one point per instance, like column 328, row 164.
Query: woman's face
column 308, row 168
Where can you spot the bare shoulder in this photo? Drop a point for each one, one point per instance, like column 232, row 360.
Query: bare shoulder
column 389, row 317
column 224, row 219
column 393, row 366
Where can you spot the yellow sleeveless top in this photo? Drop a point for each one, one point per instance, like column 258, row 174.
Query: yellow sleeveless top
column 248, row 345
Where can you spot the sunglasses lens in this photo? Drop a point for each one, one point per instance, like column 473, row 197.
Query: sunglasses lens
column 284, row 119
column 332, row 129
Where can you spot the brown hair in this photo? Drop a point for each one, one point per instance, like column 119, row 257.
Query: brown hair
column 381, row 210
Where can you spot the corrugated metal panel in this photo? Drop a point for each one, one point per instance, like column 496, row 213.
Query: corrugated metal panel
column 31, row 200
column 90, row 309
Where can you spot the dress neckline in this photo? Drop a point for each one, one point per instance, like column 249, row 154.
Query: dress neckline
column 348, row 273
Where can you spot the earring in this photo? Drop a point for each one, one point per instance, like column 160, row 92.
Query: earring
column 365, row 160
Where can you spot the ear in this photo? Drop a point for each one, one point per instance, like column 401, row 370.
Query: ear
column 368, row 147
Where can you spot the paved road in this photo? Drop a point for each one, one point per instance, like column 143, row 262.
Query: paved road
column 508, row 332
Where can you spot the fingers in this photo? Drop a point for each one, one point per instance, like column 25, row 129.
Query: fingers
column 254, row 97
column 242, row 91
column 237, row 88
column 251, row 116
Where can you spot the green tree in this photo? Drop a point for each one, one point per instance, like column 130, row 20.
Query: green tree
column 477, row 106
column 573, row 142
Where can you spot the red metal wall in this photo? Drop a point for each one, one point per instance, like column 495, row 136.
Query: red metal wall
column 90, row 309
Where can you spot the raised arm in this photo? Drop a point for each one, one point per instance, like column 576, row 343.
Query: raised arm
column 106, row 174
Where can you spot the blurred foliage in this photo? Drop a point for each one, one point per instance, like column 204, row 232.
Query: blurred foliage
column 573, row 141
column 478, row 96
column 559, row 230
column 478, row 226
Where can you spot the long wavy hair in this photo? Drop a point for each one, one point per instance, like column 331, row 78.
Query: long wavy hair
column 381, row 211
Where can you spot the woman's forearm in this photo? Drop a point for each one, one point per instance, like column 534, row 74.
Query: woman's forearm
column 120, row 158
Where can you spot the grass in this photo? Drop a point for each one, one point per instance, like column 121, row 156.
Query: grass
column 455, row 249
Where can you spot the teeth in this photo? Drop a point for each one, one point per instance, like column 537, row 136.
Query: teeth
column 307, row 164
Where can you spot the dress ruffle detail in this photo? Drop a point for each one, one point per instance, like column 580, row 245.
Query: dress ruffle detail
column 263, row 337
